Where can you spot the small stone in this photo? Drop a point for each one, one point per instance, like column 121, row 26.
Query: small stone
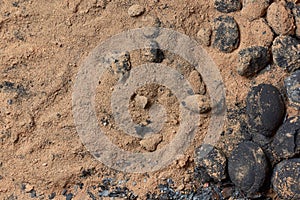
column 121, row 63
column 197, row 83
column 292, row 86
column 280, row 18
column 204, row 105
column 227, row 6
column 225, row 36
column 150, row 143
column 152, row 52
column 141, row 101
column 286, row 142
column 204, row 35
column 296, row 12
column 135, row 10
column 253, row 9
column 213, row 164
column 227, row 192
column 252, row 60
column 28, row 188
column 247, row 167
column 265, row 109
column 286, row 179
column 286, row 53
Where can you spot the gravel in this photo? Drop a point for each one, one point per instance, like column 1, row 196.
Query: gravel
column 265, row 109
column 286, row 52
column 292, row 87
column 247, row 167
column 225, row 35
column 286, row 179
column 252, row 60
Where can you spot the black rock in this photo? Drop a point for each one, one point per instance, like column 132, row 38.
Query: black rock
column 292, row 86
column 226, row 34
column 286, row 179
column 286, row 142
column 227, row 6
column 286, row 52
column 252, row 60
column 69, row 196
column 265, row 109
column 248, row 167
column 213, row 164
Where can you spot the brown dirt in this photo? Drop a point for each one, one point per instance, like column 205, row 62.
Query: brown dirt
column 43, row 44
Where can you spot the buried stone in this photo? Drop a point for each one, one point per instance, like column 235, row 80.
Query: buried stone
column 265, row 109
column 247, row 167
column 286, row 179
column 227, row 6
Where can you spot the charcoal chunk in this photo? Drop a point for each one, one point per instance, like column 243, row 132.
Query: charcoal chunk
column 226, row 34
column 248, row 167
column 286, row 179
column 265, row 109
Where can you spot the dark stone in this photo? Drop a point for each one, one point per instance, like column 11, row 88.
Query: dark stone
column 265, row 109
column 286, row 52
column 292, row 86
column 227, row 6
column 286, row 142
column 226, row 34
column 69, row 196
column 52, row 195
column 286, row 179
column 247, row 167
column 252, row 60
column 213, row 164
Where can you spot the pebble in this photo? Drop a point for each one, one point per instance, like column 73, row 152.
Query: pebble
column 286, row 142
column 286, row 179
column 196, row 82
column 204, row 35
column 136, row 10
column 227, row 6
column 296, row 12
column 286, row 52
column 121, row 64
column 141, row 101
column 152, row 52
column 253, row 9
column 225, row 35
column 292, row 86
column 252, row 60
column 150, row 144
column 280, row 18
column 247, row 167
column 213, row 164
column 265, row 109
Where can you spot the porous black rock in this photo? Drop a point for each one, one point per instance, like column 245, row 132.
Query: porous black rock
column 248, row 167
column 286, row 52
column 252, row 60
column 286, row 142
column 286, row 179
column 226, row 35
column 265, row 109
column 292, row 86
column 227, row 6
